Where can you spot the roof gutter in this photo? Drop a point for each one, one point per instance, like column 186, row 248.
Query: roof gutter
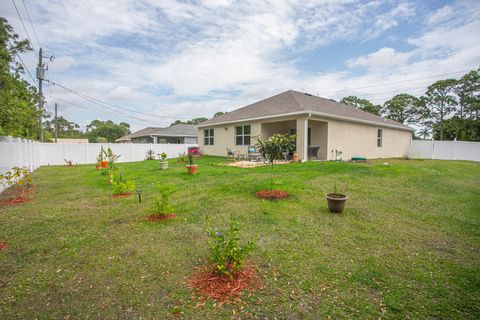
column 310, row 113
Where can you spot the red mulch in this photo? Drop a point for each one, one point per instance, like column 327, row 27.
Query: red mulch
column 160, row 217
column 15, row 201
column 3, row 245
column 272, row 194
column 125, row 194
column 212, row 285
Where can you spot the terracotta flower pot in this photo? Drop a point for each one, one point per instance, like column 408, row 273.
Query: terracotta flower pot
column 104, row 163
column 336, row 202
column 192, row 169
column 296, row 157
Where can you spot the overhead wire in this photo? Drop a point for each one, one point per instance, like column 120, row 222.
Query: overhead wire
column 25, row 28
column 24, row 66
column 31, row 24
column 111, row 106
column 393, row 82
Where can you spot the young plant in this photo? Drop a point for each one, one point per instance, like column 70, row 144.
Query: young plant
column 162, row 156
column 226, row 253
column 191, row 158
column 18, row 180
column 68, row 163
column 273, row 147
column 123, row 186
column 100, row 155
column 182, row 158
column 112, row 158
column 162, row 205
column 150, row 155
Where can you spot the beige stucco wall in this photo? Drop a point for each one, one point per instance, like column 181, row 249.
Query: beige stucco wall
column 225, row 138
column 355, row 139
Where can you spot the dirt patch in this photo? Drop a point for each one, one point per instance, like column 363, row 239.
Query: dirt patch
column 212, row 285
column 253, row 164
column 125, row 194
column 3, row 245
column 271, row 194
column 160, row 217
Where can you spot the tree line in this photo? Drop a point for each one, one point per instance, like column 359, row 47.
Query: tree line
column 449, row 109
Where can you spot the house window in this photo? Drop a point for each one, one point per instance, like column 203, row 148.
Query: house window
column 208, row 137
column 242, row 135
column 379, row 137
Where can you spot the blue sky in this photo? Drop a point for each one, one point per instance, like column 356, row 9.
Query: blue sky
column 168, row 60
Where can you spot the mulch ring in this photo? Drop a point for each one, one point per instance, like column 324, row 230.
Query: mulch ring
column 11, row 197
column 209, row 284
column 160, row 217
column 14, row 201
column 125, row 194
column 3, row 245
column 271, row 194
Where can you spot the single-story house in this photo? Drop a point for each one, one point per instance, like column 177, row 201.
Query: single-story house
column 325, row 129
column 176, row 134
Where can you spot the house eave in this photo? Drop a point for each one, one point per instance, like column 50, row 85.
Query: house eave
column 306, row 112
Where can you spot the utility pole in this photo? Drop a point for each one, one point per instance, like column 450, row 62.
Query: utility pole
column 40, row 77
column 56, row 123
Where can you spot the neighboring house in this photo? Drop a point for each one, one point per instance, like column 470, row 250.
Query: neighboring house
column 324, row 128
column 176, row 134
column 71, row 141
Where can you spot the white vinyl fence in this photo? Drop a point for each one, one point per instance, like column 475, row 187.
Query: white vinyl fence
column 16, row 152
column 444, row 150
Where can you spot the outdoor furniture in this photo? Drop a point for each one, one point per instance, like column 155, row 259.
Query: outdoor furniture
column 232, row 155
column 253, row 154
column 313, row 152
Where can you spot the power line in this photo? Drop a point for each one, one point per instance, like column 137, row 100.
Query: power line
column 393, row 82
column 108, row 105
column 31, row 24
column 23, row 64
column 24, row 28
column 110, row 113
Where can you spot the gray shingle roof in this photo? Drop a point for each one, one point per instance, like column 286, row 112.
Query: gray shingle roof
column 299, row 102
column 177, row 130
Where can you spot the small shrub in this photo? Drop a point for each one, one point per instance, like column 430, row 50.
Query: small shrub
column 123, row 186
column 162, row 156
column 191, row 158
column 112, row 158
column 225, row 251
column 17, row 180
column 68, row 163
column 162, row 204
column 150, row 155
column 182, row 158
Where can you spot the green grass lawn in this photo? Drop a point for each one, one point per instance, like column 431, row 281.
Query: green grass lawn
column 407, row 245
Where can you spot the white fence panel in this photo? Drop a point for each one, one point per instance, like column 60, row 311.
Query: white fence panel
column 445, row 150
column 16, row 152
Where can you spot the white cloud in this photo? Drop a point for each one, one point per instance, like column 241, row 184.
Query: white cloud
column 183, row 59
column 383, row 58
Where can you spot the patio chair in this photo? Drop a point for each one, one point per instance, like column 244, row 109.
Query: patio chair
column 313, row 152
column 231, row 155
column 253, row 154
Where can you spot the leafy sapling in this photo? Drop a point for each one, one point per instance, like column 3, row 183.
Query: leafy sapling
column 226, row 253
column 162, row 205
